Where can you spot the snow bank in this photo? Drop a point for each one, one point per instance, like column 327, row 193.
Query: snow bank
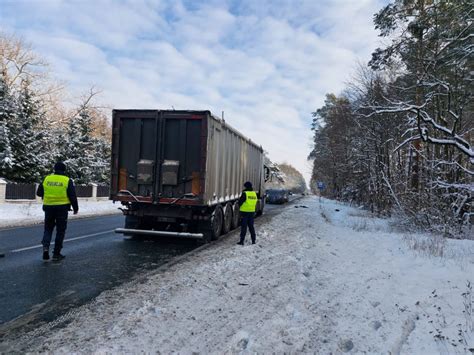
column 318, row 280
column 16, row 214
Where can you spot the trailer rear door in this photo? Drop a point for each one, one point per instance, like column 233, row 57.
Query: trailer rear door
column 183, row 144
column 158, row 154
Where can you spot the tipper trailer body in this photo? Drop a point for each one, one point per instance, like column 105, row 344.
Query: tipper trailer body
column 181, row 172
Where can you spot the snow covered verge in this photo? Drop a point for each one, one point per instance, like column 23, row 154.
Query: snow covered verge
column 17, row 214
column 322, row 278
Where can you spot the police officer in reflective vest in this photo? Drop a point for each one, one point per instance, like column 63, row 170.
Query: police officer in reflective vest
column 248, row 203
column 59, row 194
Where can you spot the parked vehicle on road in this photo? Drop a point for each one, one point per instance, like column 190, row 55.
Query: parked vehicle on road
column 180, row 173
column 277, row 196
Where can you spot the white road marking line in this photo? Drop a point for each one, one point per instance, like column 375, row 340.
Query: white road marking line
column 66, row 240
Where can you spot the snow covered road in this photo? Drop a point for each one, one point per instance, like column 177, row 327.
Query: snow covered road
column 318, row 280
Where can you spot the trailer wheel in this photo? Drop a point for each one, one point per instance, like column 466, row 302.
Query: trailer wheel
column 216, row 223
column 260, row 205
column 235, row 216
column 228, row 214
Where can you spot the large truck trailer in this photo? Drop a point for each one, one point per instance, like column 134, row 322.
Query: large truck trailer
column 180, row 173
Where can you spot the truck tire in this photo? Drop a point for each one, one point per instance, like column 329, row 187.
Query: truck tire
column 228, row 215
column 217, row 220
column 260, row 205
column 235, row 216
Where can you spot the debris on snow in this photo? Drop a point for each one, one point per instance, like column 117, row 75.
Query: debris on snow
column 376, row 325
column 345, row 345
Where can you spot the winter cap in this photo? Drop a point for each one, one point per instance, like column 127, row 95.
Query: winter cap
column 248, row 185
column 60, row 166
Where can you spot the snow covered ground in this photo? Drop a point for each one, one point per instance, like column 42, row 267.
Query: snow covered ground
column 318, row 280
column 17, row 214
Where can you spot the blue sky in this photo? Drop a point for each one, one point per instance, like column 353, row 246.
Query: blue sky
column 267, row 64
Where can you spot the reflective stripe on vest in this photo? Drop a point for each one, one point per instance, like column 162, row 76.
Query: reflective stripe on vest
column 250, row 203
column 55, row 190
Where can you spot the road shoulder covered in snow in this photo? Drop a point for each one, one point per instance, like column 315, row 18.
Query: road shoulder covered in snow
column 318, row 280
column 21, row 214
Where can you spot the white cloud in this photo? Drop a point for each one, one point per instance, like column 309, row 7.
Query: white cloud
column 267, row 64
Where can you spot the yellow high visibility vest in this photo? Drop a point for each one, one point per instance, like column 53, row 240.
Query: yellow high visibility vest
column 55, row 190
column 250, row 203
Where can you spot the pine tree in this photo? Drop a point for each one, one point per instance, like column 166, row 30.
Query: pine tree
column 102, row 143
column 332, row 125
column 79, row 152
column 435, row 51
column 432, row 43
column 7, row 113
column 411, row 145
column 101, row 167
column 27, row 143
column 5, row 149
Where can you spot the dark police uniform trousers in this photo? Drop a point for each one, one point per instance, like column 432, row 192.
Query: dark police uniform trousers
column 247, row 221
column 55, row 216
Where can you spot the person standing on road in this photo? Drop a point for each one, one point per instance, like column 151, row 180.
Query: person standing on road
column 248, row 203
column 59, row 194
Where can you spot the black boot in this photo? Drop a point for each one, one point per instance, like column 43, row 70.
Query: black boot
column 58, row 256
column 45, row 254
column 240, row 243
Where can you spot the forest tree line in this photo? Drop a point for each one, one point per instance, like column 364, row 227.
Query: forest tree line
column 285, row 176
column 36, row 127
column 400, row 136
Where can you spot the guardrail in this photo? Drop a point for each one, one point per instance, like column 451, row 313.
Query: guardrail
column 18, row 193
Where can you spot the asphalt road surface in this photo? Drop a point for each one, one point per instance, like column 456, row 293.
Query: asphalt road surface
column 33, row 292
